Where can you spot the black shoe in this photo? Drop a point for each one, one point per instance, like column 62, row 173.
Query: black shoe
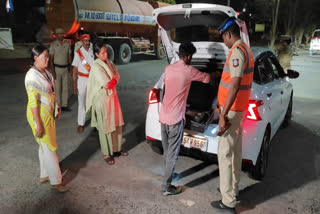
column 219, row 206
column 172, row 190
column 65, row 109
column 238, row 200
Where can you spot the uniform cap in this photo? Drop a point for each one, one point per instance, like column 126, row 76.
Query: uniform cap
column 85, row 36
column 59, row 31
column 227, row 23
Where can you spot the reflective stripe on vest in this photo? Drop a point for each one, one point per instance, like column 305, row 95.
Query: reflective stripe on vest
column 242, row 98
column 83, row 61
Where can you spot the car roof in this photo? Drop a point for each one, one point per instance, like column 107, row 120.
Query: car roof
column 259, row 50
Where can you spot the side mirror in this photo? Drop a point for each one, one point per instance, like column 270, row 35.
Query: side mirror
column 292, row 74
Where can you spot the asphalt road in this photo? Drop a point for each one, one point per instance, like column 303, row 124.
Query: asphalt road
column 132, row 185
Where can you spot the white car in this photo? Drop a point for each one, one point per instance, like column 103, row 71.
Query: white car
column 315, row 42
column 270, row 103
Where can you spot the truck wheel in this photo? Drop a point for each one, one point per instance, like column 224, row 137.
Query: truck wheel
column 259, row 170
column 110, row 52
column 160, row 51
column 125, row 53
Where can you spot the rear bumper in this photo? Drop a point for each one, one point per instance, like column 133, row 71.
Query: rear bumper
column 314, row 47
column 251, row 139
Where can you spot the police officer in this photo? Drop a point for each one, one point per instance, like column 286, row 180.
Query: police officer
column 284, row 52
column 60, row 59
column 233, row 97
column 83, row 59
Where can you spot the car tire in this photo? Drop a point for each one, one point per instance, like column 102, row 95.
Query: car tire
column 156, row 146
column 110, row 52
column 125, row 53
column 259, row 170
column 288, row 116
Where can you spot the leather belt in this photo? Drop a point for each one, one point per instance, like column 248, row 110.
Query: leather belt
column 61, row 66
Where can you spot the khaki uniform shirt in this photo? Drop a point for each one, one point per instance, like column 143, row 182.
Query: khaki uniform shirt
column 60, row 52
column 236, row 61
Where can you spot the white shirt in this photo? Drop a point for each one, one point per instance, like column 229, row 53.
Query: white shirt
column 88, row 55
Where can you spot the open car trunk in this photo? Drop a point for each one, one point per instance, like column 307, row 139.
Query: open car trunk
column 199, row 24
column 202, row 98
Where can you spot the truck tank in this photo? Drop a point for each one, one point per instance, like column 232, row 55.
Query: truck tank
column 127, row 26
column 102, row 16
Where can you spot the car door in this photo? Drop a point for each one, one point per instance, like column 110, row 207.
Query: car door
column 271, row 91
column 275, row 94
column 282, row 81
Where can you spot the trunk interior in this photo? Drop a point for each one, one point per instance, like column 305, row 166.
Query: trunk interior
column 202, row 97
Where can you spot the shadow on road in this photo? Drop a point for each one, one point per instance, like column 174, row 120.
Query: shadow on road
column 293, row 162
column 78, row 158
column 203, row 179
column 134, row 137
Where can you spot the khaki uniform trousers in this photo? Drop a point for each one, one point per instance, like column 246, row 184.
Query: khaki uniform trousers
column 61, row 86
column 230, row 159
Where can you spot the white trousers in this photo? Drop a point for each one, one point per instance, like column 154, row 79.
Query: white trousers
column 82, row 95
column 49, row 165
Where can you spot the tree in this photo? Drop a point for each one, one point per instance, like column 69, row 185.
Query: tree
column 298, row 19
column 275, row 14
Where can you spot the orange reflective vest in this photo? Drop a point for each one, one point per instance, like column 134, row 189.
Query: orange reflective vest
column 242, row 98
column 84, row 63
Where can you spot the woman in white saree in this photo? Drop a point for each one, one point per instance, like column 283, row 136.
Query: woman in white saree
column 103, row 103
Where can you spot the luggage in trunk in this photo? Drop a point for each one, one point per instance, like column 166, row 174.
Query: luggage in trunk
column 200, row 106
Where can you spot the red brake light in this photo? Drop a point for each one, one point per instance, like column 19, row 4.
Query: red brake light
column 253, row 113
column 154, row 95
column 314, row 37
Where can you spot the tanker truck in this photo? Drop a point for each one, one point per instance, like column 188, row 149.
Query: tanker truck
column 126, row 26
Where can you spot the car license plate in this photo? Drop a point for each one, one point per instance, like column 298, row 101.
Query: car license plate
column 195, row 143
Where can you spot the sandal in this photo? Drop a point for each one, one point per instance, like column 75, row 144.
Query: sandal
column 110, row 160
column 118, row 154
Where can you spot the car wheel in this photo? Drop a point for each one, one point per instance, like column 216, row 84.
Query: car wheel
column 125, row 54
column 156, row 146
column 259, row 170
column 288, row 116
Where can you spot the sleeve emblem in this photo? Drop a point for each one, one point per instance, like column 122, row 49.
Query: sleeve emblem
column 235, row 62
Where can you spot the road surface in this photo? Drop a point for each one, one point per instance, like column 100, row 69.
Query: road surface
column 133, row 184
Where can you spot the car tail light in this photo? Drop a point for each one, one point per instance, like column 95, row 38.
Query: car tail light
column 154, row 95
column 151, row 138
column 314, row 37
column 252, row 112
